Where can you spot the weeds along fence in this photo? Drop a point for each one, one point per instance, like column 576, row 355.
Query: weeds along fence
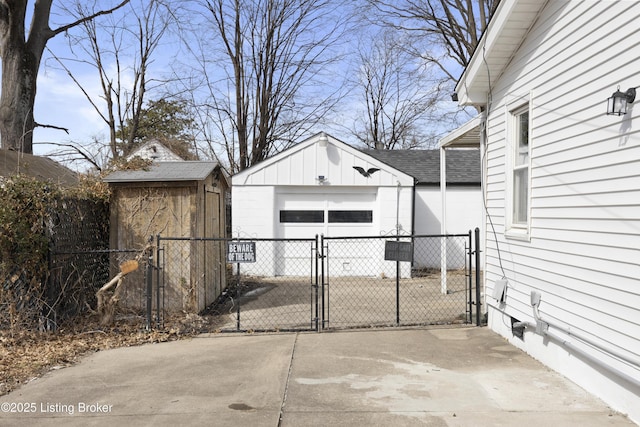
column 49, row 270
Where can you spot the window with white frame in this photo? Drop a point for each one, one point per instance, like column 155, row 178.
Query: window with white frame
column 520, row 154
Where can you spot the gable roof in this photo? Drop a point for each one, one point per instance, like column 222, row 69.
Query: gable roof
column 463, row 166
column 41, row 168
column 507, row 29
column 164, row 172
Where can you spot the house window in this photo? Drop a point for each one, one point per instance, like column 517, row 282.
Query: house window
column 520, row 154
column 521, row 170
column 351, row 216
column 301, row 216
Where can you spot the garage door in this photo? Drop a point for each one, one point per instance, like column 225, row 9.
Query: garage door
column 331, row 214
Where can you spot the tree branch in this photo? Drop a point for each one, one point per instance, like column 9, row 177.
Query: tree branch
column 88, row 18
column 36, row 124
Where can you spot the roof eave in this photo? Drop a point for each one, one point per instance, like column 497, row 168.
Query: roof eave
column 499, row 43
column 466, row 136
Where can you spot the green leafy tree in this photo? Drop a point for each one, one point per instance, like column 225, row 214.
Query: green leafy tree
column 168, row 121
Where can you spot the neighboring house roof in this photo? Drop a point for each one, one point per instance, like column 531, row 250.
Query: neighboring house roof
column 463, row 166
column 506, row 31
column 42, row 168
column 164, row 172
column 156, row 151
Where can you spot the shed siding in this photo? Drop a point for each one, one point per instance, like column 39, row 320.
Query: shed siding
column 584, row 249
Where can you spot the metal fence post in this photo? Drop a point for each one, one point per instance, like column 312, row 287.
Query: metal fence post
column 159, row 282
column 316, row 286
column 323, row 264
column 478, row 302
column 470, row 277
column 149, row 280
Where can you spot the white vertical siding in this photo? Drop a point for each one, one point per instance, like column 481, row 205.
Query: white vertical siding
column 584, row 249
column 303, row 165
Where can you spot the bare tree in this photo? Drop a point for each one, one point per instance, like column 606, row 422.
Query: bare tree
column 399, row 95
column 21, row 51
column 454, row 25
column 271, row 86
column 121, row 50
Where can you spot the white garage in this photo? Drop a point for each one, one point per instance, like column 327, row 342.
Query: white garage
column 323, row 186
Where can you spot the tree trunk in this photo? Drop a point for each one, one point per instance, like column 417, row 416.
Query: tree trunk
column 20, row 63
column 19, row 72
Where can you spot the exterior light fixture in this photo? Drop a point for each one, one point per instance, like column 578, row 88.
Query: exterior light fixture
column 617, row 104
column 323, row 141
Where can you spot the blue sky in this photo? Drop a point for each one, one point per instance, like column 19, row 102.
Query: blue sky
column 60, row 102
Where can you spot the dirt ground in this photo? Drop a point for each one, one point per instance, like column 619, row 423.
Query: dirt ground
column 26, row 355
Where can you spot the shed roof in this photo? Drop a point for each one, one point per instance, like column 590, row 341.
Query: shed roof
column 463, row 166
column 164, row 172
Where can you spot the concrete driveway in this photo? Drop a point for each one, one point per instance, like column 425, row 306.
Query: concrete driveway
column 413, row 377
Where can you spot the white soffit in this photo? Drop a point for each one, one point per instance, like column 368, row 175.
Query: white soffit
column 504, row 35
column 466, row 136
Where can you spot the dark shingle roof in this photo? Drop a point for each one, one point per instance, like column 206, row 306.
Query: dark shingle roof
column 463, row 166
column 42, row 168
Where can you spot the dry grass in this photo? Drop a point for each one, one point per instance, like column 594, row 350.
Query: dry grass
column 26, row 355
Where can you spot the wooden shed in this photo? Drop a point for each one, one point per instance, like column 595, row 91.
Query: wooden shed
column 176, row 200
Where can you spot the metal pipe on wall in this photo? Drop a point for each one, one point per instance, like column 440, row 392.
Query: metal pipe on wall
column 542, row 327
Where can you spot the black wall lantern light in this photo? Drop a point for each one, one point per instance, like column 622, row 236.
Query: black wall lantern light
column 617, row 104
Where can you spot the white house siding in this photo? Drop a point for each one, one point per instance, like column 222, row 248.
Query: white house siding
column 584, row 250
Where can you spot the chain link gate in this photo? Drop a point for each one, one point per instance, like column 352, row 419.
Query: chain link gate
column 360, row 288
column 270, row 284
column 320, row 283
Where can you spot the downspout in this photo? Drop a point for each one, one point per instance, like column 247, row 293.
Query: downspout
column 483, row 184
column 541, row 327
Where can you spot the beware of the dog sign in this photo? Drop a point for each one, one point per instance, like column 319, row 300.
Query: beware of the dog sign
column 241, row 252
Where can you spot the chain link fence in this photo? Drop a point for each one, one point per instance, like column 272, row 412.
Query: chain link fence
column 272, row 287
column 365, row 286
column 282, row 284
column 322, row 283
column 76, row 276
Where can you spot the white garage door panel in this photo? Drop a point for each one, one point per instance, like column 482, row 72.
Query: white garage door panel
column 326, row 202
